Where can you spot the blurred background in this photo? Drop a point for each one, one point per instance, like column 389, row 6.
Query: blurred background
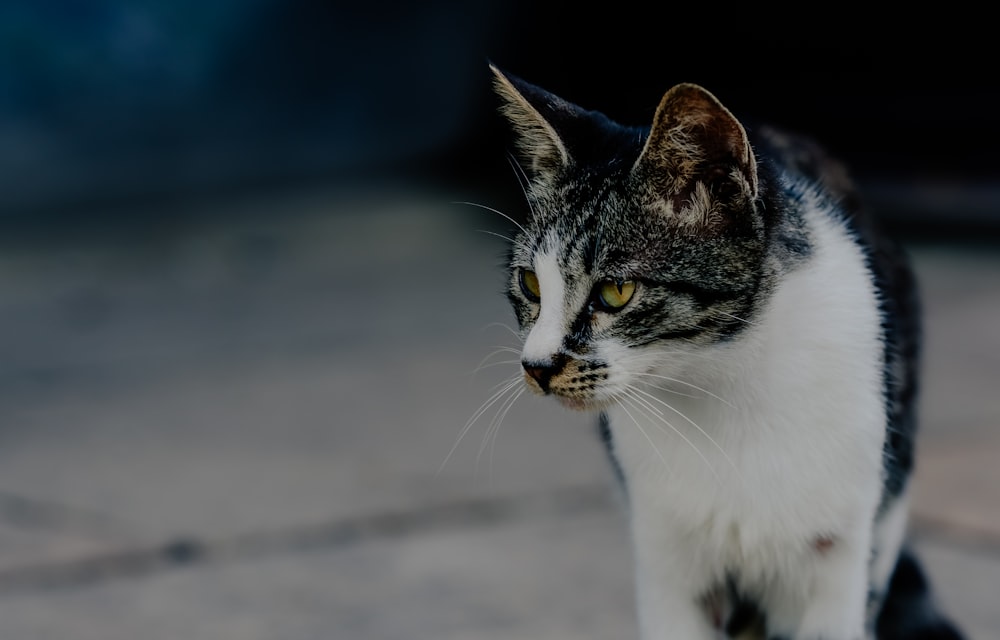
column 106, row 100
column 246, row 323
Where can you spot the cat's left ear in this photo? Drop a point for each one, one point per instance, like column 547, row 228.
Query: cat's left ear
column 696, row 140
column 541, row 149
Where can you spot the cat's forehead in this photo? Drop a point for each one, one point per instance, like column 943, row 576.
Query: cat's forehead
column 588, row 228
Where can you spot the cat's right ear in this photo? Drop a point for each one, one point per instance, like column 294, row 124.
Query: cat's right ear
column 541, row 151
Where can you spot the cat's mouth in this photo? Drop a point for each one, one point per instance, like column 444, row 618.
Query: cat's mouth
column 576, row 383
column 569, row 393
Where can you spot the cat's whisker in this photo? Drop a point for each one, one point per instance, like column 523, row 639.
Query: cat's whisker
column 502, row 348
column 498, row 363
column 645, row 403
column 686, row 353
column 496, row 211
column 505, row 382
column 483, row 408
column 689, row 384
column 630, row 394
column 498, row 350
column 498, row 235
column 522, row 180
column 495, row 422
column 495, row 428
column 729, row 315
column 693, row 424
column 503, row 416
column 644, row 434
column 668, row 389
column 503, row 325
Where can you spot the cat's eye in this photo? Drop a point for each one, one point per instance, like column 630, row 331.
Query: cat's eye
column 612, row 295
column 529, row 285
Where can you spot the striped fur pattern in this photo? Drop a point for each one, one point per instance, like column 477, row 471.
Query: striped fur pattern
column 750, row 345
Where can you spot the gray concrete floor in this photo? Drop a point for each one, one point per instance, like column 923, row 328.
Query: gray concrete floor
column 230, row 423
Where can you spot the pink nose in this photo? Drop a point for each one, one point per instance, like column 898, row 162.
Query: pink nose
column 542, row 372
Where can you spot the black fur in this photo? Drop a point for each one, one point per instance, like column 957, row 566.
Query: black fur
column 604, row 432
column 908, row 612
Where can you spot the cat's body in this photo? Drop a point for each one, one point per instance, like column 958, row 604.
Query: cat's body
column 750, row 343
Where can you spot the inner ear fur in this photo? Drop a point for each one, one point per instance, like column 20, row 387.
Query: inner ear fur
column 695, row 139
column 539, row 146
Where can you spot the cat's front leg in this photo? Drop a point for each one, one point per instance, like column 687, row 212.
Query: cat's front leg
column 669, row 612
column 835, row 605
column 667, row 593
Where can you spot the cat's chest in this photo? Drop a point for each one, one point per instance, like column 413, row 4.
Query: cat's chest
column 735, row 476
column 786, row 425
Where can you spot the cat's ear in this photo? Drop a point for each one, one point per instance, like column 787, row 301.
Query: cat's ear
column 695, row 140
column 542, row 152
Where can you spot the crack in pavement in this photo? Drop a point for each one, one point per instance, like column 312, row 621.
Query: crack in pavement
column 32, row 514
column 335, row 534
column 468, row 514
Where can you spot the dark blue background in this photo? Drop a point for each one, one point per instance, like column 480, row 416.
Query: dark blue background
column 109, row 101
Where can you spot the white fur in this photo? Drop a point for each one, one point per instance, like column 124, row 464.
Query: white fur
column 787, row 451
column 547, row 333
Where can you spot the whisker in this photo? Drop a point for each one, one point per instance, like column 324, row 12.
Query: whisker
column 688, row 384
column 499, row 235
column 494, row 423
column 668, row 389
column 645, row 403
column 644, row 434
column 483, row 408
column 522, row 177
column 522, row 180
column 630, row 395
column 496, row 211
column 498, row 419
column 729, row 315
column 679, row 352
column 506, row 381
column 500, row 349
column 495, row 364
column 504, row 326
column 695, row 425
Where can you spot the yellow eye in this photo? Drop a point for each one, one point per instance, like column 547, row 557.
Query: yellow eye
column 529, row 285
column 613, row 295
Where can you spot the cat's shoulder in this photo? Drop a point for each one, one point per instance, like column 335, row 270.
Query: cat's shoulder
column 805, row 159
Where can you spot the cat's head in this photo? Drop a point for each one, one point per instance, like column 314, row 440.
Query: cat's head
column 644, row 248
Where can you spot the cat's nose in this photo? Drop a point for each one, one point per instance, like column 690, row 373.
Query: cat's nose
column 542, row 372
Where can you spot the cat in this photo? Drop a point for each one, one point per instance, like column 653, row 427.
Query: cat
column 749, row 342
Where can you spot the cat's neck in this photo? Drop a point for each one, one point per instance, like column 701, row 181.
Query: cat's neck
column 817, row 331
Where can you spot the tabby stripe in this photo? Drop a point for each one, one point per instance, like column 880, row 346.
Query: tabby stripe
column 680, row 334
column 580, row 332
column 703, row 296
